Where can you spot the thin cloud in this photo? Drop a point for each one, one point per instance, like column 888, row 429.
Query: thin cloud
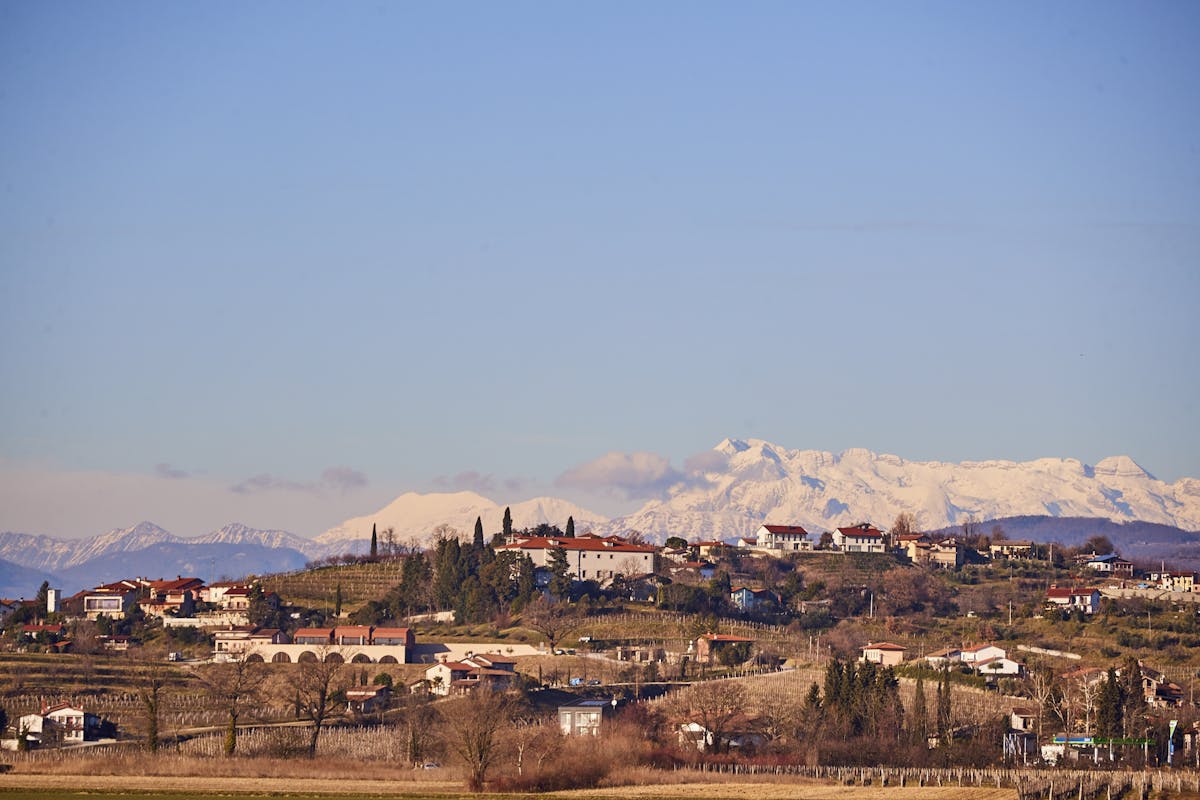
column 343, row 479
column 705, row 461
column 635, row 475
column 335, row 479
column 469, row 481
column 167, row 471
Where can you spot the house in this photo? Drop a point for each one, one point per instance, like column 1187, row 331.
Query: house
column 999, row 667
column 176, row 597
column 441, row 676
column 944, row 658
column 779, row 539
column 347, row 635
column 112, row 600
column 363, row 700
column 313, row 636
column 709, row 646
column 361, row 644
column 458, row 677
column 491, row 661
column 584, row 717
column 981, row 652
column 589, row 557
column 742, row 732
column 393, row 636
column 711, row 549
column 746, row 599
column 1023, row 719
column 1085, row 600
column 1175, row 581
column 1158, row 690
column 44, row 633
column 62, row 724
column 861, row 538
column 1111, row 564
column 884, row 653
column 231, row 642
column 1011, row 549
column 706, row 570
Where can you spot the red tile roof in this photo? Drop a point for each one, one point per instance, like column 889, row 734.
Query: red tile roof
column 885, row 646
column 391, row 633
column 796, row 529
column 319, row 633
column 863, row 531
column 590, row 544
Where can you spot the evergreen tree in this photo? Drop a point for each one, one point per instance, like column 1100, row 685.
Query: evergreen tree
column 448, row 577
column 1133, row 698
column 507, row 529
column 526, row 581
column 943, row 706
column 478, row 541
column 570, row 532
column 337, row 601
column 560, row 569
column 413, row 593
column 374, row 543
column 920, row 719
column 1110, row 707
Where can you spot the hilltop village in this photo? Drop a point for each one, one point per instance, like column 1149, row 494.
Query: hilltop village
column 854, row 645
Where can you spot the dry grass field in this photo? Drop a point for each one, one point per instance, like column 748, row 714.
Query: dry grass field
column 101, row 787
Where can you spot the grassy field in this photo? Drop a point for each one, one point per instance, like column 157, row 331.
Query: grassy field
column 55, row 787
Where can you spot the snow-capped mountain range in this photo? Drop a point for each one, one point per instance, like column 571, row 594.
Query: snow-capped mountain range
column 745, row 483
column 413, row 517
column 756, row 481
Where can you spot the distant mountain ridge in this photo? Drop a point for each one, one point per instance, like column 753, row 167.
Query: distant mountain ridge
column 743, row 484
column 748, row 482
column 414, row 517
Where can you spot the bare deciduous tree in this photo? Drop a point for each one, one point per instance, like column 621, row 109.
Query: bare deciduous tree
column 714, row 705
column 232, row 686
column 554, row 620
column 474, row 723
column 150, row 675
column 418, row 723
column 314, row 684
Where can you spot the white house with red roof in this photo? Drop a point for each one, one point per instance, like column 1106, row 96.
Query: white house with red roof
column 1074, row 598
column 457, row 677
column 783, row 539
column 861, row 538
column 981, row 652
column 589, row 557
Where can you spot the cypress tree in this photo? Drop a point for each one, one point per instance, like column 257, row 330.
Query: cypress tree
column 570, row 533
column 374, row 543
column 507, row 523
column 1109, row 708
column 920, row 721
column 943, row 706
column 337, row 601
column 478, row 542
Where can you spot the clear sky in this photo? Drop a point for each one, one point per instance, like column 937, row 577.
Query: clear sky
column 280, row 262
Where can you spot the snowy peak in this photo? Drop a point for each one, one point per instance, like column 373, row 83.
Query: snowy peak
column 416, row 518
column 749, row 481
column 237, row 533
column 1121, row 467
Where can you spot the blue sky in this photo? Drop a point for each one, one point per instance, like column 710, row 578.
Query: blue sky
column 280, row 262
